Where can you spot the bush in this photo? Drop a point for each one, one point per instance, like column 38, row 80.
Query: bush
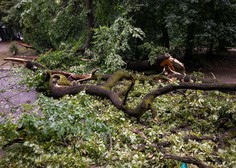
column 13, row 48
column 111, row 44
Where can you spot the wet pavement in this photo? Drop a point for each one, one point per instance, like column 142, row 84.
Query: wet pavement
column 15, row 98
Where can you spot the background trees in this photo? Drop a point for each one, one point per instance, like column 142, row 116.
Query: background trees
column 169, row 24
column 13, row 27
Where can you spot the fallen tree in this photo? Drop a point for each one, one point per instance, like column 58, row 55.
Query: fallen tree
column 104, row 90
column 63, row 83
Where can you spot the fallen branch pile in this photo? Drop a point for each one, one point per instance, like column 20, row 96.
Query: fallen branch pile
column 63, row 83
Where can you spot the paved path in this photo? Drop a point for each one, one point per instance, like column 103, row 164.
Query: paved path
column 4, row 47
column 14, row 97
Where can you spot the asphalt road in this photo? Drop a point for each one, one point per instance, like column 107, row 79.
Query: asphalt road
column 15, row 98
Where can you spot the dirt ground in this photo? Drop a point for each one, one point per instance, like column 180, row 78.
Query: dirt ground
column 222, row 67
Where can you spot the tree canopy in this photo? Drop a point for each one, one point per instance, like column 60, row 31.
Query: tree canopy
column 189, row 24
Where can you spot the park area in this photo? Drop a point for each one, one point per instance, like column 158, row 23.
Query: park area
column 95, row 84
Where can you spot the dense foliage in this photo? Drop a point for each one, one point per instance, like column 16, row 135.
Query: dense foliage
column 84, row 131
column 189, row 24
column 12, row 19
column 112, row 44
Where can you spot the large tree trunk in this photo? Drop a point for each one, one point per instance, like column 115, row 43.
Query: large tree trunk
column 145, row 64
column 222, row 44
column 90, row 19
column 165, row 37
column 190, row 40
column 210, row 51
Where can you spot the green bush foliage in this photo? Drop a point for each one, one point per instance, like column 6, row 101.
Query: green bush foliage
column 111, row 44
column 60, row 59
column 151, row 51
column 13, row 48
column 65, row 59
column 48, row 24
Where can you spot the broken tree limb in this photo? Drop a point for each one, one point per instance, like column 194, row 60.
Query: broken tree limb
column 58, row 91
column 130, row 87
column 24, row 45
column 145, row 105
column 162, row 61
column 17, row 60
column 77, row 77
column 117, row 76
column 221, row 138
column 32, row 65
column 144, row 65
column 160, row 146
column 149, row 98
column 187, row 159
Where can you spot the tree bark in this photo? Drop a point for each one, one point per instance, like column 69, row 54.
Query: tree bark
column 144, row 65
column 90, row 20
